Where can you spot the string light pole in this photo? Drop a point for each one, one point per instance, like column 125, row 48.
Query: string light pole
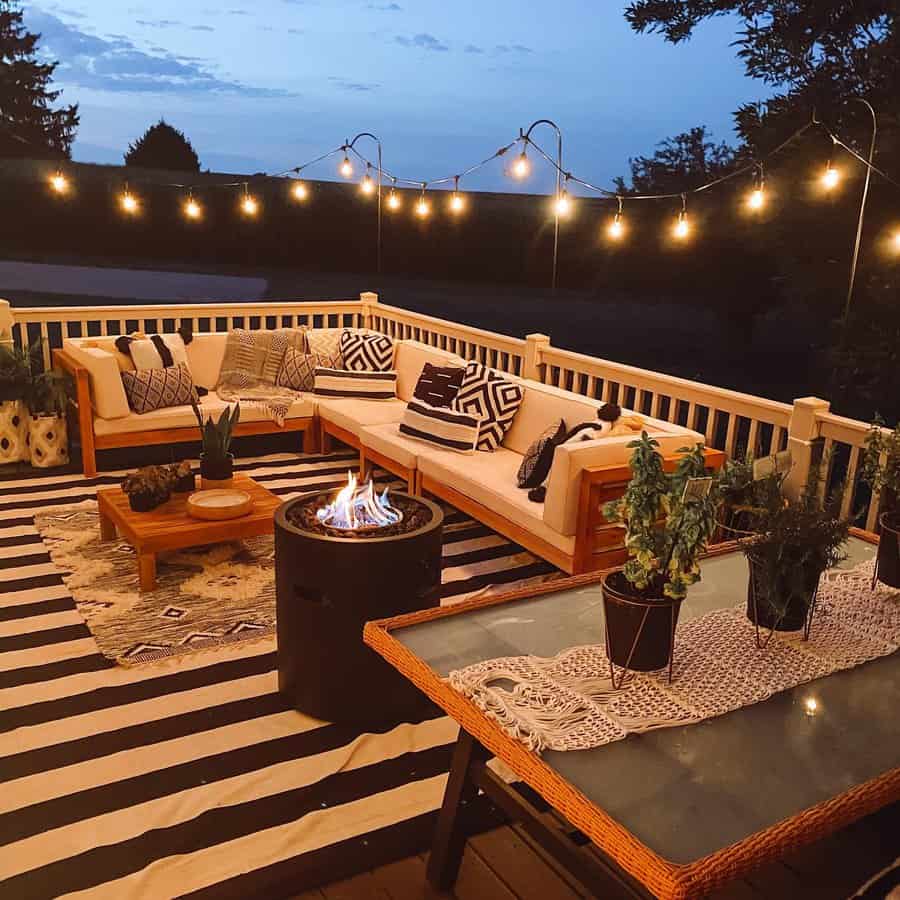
column 526, row 140
column 862, row 209
column 349, row 146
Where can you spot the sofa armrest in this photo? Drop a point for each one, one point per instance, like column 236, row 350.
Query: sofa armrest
column 84, row 412
column 104, row 376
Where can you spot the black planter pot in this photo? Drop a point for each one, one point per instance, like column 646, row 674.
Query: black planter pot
column 639, row 631
column 185, row 484
column 889, row 549
column 789, row 608
column 216, row 469
column 144, row 501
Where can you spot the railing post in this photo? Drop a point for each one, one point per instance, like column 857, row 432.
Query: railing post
column 6, row 323
column 368, row 300
column 803, row 431
column 532, row 360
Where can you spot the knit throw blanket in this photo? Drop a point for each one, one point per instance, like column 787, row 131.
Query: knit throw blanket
column 250, row 370
column 568, row 702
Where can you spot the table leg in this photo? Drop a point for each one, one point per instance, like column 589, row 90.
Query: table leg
column 450, row 833
column 107, row 528
column 147, row 571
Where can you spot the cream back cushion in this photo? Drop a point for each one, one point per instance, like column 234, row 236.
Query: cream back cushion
column 107, row 394
column 205, row 354
column 569, row 460
column 409, row 360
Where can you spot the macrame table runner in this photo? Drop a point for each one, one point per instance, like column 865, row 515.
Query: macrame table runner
column 567, row 702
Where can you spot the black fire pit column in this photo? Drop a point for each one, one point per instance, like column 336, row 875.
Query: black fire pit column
column 328, row 587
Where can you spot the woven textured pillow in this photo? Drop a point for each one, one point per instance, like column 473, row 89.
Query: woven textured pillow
column 364, row 385
column 486, row 394
column 367, row 352
column 439, row 385
column 149, row 389
column 298, row 370
column 326, row 344
column 538, row 457
column 441, row 426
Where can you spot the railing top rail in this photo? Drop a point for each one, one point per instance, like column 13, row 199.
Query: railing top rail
column 177, row 309
column 632, row 375
column 845, row 430
column 433, row 321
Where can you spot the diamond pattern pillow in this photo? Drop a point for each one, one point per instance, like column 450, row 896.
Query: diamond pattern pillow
column 486, row 394
column 298, row 370
column 367, row 352
column 149, row 389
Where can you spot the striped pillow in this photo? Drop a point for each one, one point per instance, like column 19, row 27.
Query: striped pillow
column 440, row 426
column 365, row 385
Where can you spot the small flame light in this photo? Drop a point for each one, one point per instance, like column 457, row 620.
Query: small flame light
column 616, row 229
column 249, row 205
column 757, row 199
column 563, row 204
column 682, row 228
column 358, row 507
column 367, row 185
column 830, row 178
column 129, row 203
column 521, row 167
column 346, row 167
column 299, row 191
column 457, row 203
column 59, row 183
column 393, row 200
column 895, row 242
column 423, row 209
column 192, row 209
column 810, row 706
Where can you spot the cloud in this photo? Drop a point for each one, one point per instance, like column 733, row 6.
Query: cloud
column 423, row 41
column 386, row 7
column 473, row 48
column 295, row 31
column 116, row 64
column 158, row 23
column 355, row 86
column 512, row 48
column 202, row 28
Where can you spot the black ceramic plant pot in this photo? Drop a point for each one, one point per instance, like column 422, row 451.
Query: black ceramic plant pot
column 780, row 606
column 185, row 483
column 144, row 501
column 216, row 469
column 889, row 549
column 640, row 632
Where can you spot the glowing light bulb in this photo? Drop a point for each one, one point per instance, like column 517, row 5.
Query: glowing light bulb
column 249, row 205
column 457, row 203
column 346, row 168
column 367, row 186
column 59, row 183
column 299, row 191
column 393, row 200
column 811, row 706
column 563, row 203
column 422, row 208
column 682, row 228
column 521, row 167
column 129, row 203
column 757, row 199
column 896, row 241
column 616, row 229
column 192, row 209
column 830, row 177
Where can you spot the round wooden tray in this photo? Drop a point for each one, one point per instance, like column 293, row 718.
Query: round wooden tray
column 219, row 504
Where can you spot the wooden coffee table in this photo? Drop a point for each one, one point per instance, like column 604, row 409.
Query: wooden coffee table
column 169, row 527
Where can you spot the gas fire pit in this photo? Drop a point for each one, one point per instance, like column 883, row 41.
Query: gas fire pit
column 341, row 560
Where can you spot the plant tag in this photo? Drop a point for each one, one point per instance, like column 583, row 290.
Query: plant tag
column 696, row 489
column 776, row 464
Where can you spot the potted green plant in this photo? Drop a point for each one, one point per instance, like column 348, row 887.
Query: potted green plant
column 881, row 471
column 668, row 524
column 15, row 377
column 216, row 460
column 149, row 487
column 47, row 398
column 794, row 544
column 747, row 488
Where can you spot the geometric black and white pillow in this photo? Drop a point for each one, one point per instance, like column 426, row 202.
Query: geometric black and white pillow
column 149, row 389
column 298, row 370
column 538, row 457
column 486, row 394
column 367, row 352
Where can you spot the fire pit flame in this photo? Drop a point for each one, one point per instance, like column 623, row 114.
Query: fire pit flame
column 357, row 507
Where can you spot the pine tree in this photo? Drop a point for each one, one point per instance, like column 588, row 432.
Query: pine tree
column 29, row 126
column 163, row 147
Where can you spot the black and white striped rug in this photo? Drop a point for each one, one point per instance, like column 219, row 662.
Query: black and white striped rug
column 192, row 776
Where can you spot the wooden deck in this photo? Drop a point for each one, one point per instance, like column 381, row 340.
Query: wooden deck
column 505, row 864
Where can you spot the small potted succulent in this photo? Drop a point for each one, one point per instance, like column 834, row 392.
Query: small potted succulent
column 216, row 460
column 48, row 438
column 15, row 378
column 183, row 476
column 148, row 487
column 669, row 520
column 881, row 471
column 794, row 544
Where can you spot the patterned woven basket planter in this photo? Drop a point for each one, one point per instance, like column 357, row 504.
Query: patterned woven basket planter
column 13, row 431
column 48, row 441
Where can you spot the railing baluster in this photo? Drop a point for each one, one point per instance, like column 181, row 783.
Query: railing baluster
column 731, row 433
column 850, row 482
column 752, row 437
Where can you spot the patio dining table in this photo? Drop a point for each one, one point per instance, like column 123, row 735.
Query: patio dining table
column 674, row 812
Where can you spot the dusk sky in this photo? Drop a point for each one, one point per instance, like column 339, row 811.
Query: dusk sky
column 269, row 85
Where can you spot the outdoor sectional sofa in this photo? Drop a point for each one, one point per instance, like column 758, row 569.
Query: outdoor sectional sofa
column 567, row 529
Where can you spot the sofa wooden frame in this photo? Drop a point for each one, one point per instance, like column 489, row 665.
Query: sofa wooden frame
column 81, row 417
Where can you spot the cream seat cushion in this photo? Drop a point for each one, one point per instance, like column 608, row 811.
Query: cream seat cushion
column 490, row 479
column 183, row 416
column 353, row 413
column 387, row 440
column 409, row 360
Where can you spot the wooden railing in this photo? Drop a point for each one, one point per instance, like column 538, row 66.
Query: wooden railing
column 730, row 421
